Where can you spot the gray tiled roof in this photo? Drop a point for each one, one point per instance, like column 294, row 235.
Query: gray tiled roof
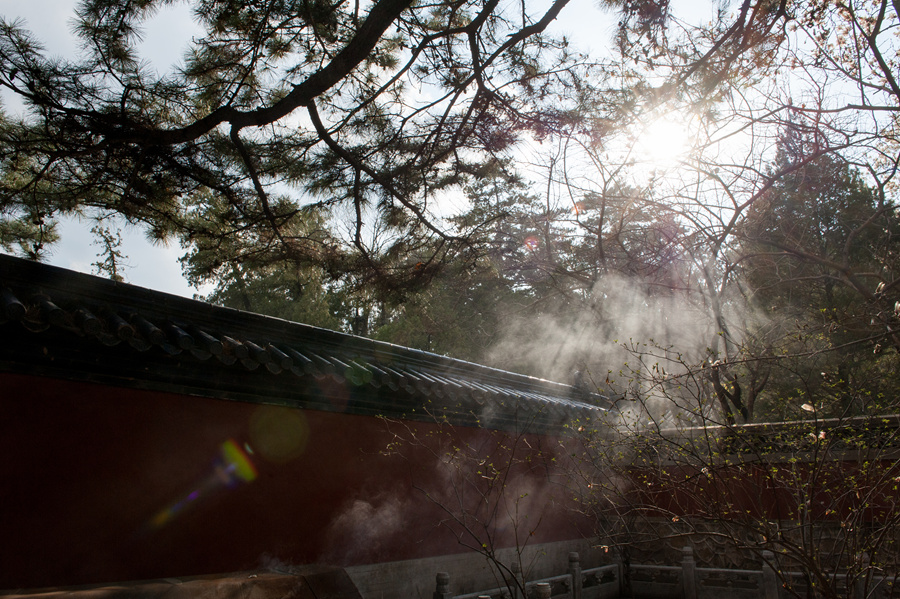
column 60, row 323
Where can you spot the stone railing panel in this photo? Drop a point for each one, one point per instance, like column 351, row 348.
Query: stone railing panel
column 560, row 586
column 601, row 583
column 662, row 582
column 735, row 584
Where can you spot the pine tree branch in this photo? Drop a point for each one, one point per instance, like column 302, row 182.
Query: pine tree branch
column 380, row 18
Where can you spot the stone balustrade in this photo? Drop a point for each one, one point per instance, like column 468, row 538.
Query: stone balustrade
column 685, row 581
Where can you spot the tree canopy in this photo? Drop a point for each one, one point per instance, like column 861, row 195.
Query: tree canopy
column 282, row 109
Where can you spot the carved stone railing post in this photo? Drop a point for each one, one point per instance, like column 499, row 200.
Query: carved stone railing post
column 518, row 585
column 770, row 578
column 688, row 573
column 542, row 590
column 575, row 573
column 442, row 586
column 859, row 585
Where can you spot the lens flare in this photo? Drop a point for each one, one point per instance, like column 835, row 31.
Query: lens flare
column 279, row 434
column 231, row 467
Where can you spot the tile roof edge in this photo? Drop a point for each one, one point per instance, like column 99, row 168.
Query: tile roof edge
column 63, row 282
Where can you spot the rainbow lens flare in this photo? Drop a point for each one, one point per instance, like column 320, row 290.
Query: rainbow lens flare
column 230, row 468
column 238, row 462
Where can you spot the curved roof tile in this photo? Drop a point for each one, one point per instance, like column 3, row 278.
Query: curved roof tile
column 61, row 323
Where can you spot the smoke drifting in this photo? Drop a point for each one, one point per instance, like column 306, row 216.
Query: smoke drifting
column 362, row 530
column 626, row 339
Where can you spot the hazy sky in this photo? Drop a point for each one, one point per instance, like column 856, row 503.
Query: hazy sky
column 165, row 38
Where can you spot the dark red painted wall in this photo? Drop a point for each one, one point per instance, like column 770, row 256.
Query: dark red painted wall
column 86, row 468
column 849, row 488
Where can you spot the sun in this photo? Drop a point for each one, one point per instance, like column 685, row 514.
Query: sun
column 662, row 143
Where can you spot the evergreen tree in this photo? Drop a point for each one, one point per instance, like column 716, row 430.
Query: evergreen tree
column 819, row 248
column 280, row 105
